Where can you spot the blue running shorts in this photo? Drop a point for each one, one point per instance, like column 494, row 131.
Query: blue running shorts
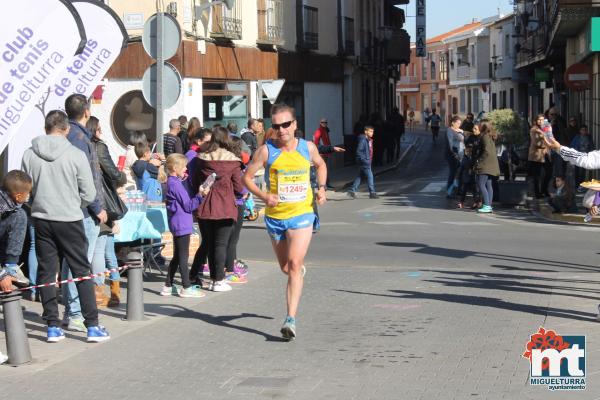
column 276, row 228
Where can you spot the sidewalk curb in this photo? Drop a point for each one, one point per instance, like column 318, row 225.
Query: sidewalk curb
column 561, row 219
column 390, row 167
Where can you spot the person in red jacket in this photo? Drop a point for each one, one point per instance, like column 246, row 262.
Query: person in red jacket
column 322, row 134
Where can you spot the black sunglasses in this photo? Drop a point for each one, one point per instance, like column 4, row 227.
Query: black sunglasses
column 284, row 125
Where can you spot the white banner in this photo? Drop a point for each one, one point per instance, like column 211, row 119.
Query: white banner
column 39, row 37
column 106, row 37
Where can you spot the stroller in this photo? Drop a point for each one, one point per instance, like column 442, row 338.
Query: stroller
column 250, row 212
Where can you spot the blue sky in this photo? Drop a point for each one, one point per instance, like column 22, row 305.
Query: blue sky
column 445, row 15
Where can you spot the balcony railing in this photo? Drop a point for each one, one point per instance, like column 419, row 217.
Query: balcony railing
column 227, row 23
column 270, row 21
column 408, row 80
column 463, row 71
column 532, row 47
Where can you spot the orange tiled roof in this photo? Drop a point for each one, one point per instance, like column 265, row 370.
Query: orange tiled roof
column 463, row 28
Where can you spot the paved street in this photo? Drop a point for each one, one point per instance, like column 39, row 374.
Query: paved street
column 405, row 298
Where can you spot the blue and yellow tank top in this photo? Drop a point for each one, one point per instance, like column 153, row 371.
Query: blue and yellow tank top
column 288, row 176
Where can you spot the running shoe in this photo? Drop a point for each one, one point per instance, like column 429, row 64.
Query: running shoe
column 169, row 291
column 205, row 270
column 288, row 330
column 55, row 334
column 192, row 291
column 240, row 268
column 235, row 278
column 352, row 195
column 97, row 334
column 220, row 286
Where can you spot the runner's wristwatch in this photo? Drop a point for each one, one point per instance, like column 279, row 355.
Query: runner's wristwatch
column 322, row 186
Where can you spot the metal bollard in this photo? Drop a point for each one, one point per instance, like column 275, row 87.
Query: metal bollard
column 135, row 287
column 17, row 343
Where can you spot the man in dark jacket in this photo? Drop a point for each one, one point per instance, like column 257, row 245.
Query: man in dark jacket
column 364, row 157
column 78, row 111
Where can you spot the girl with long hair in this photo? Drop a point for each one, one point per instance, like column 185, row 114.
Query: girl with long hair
column 218, row 212
column 487, row 165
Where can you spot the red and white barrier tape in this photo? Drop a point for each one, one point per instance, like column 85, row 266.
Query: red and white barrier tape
column 83, row 278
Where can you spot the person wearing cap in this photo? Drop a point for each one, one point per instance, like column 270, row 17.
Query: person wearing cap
column 322, row 135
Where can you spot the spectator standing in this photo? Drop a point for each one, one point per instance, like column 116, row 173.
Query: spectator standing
column 183, row 133
column 78, row 111
column 322, row 135
column 537, row 157
column 146, row 170
column 171, row 141
column 453, row 134
column 398, row 124
column 250, row 134
column 364, row 158
column 468, row 124
column 104, row 252
column 135, row 139
column 233, row 129
column 193, row 127
column 62, row 182
column 487, row 166
column 179, row 214
column 218, row 212
column 583, row 143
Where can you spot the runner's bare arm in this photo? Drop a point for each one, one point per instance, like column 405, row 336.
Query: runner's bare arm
column 258, row 161
column 321, row 167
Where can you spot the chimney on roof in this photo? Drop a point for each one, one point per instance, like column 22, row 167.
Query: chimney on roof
column 475, row 20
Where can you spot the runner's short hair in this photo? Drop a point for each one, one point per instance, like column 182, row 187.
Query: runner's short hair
column 282, row 107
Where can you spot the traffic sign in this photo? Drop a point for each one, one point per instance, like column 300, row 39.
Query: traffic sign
column 171, row 37
column 578, row 76
column 171, row 85
column 272, row 88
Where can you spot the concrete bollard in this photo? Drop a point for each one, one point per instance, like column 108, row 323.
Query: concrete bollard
column 135, row 287
column 17, row 343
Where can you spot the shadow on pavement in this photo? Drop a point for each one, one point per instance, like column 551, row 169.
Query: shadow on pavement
column 462, row 254
column 224, row 321
column 484, row 302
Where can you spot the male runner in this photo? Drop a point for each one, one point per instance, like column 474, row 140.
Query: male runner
column 289, row 215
